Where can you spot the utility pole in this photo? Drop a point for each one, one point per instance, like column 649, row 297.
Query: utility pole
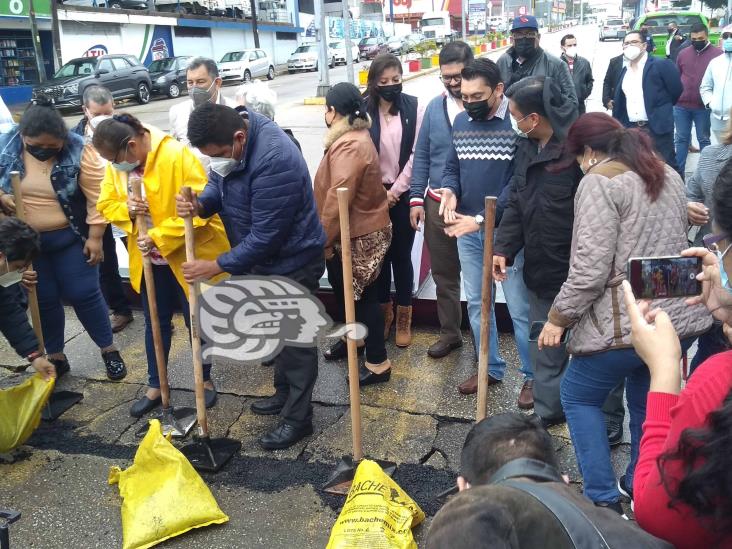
column 56, row 36
column 347, row 41
column 582, row 12
column 255, row 31
column 40, row 66
column 322, row 40
column 463, row 7
column 391, row 17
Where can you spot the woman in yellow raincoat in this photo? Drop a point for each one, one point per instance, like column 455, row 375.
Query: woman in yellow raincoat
column 164, row 165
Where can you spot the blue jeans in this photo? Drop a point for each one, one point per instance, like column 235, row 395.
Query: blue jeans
column 683, row 119
column 517, row 301
column 168, row 296
column 586, row 384
column 64, row 275
column 470, row 249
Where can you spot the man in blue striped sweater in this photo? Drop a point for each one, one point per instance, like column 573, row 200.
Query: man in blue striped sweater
column 479, row 165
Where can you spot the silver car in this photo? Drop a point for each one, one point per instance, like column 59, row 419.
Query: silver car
column 613, row 28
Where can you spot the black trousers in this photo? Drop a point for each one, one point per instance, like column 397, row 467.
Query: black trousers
column 664, row 144
column 296, row 368
column 109, row 279
column 368, row 311
column 398, row 257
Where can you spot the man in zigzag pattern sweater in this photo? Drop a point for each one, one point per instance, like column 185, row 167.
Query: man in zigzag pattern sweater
column 479, row 165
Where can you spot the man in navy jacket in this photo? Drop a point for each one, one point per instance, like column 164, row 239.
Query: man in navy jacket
column 646, row 93
column 260, row 186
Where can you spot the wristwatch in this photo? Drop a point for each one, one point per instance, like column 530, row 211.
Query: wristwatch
column 479, row 219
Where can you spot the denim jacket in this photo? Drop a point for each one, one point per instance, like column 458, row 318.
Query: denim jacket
column 64, row 175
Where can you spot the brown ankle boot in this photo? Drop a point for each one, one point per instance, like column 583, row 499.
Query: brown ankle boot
column 404, row 326
column 388, row 309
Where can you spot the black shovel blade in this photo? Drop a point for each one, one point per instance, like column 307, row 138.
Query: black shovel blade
column 58, row 403
column 210, row 454
column 341, row 479
column 177, row 422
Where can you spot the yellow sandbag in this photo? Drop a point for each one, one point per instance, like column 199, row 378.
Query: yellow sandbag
column 162, row 494
column 377, row 514
column 20, row 410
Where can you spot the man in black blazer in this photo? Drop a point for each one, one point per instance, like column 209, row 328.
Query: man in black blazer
column 611, row 80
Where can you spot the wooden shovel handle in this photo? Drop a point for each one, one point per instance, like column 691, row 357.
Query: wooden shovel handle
column 485, row 308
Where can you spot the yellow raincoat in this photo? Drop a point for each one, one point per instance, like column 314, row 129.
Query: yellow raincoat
column 170, row 165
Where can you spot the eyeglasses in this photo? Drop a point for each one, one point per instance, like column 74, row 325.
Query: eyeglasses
column 519, row 34
column 726, row 35
column 447, row 78
column 711, row 241
column 633, row 43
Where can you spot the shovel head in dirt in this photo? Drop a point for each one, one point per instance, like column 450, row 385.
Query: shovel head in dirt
column 341, row 479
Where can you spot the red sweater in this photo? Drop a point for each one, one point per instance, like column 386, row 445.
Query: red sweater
column 666, row 417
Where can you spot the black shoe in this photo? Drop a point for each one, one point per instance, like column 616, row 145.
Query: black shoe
column 614, row 432
column 116, row 368
column 613, row 506
column 440, row 349
column 211, row 396
column 367, row 377
column 550, row 422
column 270, row 406
column 339, row 350
column 626, row 491
column 284, row 436
column 62, row 366
column 268, row 362
column 144, row 405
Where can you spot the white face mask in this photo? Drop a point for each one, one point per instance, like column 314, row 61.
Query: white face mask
column 10, row 277
column 632, row 53
column 223, row 166
column 571, row 51
column 94, row 122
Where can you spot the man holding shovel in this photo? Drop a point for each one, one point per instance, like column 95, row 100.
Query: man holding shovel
column 260, row 186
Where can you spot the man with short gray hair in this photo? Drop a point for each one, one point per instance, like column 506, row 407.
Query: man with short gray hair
column 96, row 101
column 204, row 86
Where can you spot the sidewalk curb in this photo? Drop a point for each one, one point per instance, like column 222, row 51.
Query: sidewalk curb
column 405, row 78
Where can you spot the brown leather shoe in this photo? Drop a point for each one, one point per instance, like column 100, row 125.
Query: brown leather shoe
column 440, row 349
column 388, row 310
column 404, row 326
column 470, row 385
column 119, row 322
column 526, row 396
column 693, row 149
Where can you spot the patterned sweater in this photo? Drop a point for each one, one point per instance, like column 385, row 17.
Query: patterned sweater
column 479, row 162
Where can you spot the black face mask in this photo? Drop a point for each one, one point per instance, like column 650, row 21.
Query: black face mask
column 699, row 45
column 389, row 93
column 525, row 47
column 41, row 153
column 478, row 110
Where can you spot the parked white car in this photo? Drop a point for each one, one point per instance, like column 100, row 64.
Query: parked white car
column 339, row 51
column 245, row 65
column 613, row 28
column 305, row 58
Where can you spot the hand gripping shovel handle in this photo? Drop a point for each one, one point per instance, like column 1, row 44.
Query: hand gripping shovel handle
column 195, row 333
column 147, row 270
column 353, row 385
column 485, row 308
column 32, row 294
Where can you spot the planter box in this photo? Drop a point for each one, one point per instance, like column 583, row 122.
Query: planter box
column 483, row 48
column 425, row 63
column 414, row 65
column 493, row 45
column 435, row 60
column 363, row 77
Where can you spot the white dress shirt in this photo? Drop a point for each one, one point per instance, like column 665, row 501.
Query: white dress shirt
column 633, row 89
column 453, row 107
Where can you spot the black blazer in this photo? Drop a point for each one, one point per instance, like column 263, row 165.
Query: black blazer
column 611, row 79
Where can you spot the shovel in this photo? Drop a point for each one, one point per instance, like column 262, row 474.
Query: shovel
column 7, row 517
column 176, row 422
column 485, row 308
column 204, row 453
column 339, row 482
column 59, row 401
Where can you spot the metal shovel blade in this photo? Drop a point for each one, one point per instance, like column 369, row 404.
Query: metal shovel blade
column 341, row 479
column 177, row 422
column 58, row 403
column 210, row 455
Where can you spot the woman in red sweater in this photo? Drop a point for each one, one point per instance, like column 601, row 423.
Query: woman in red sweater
column 683, row 480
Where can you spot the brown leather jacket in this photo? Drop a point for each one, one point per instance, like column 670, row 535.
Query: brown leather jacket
column 615, row 220
column 350, row 162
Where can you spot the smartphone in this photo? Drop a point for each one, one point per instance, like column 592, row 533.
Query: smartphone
column 536, row 328
column 664, row 277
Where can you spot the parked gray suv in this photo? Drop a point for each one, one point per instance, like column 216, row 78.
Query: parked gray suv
column 124, row 75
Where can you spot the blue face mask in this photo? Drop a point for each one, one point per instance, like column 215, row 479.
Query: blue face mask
column 125, row 166
column 727, row 45
column 724, row 279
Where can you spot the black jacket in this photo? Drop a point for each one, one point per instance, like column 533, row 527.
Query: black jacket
column 678, row 45
column 407, row 107
column 14, row 321
column 582, row 78
column 611, row 79
column 538, row 216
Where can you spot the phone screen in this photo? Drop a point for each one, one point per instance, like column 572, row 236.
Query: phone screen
column 664, row 277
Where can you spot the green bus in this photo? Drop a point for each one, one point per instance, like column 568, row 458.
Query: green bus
column 657, row 23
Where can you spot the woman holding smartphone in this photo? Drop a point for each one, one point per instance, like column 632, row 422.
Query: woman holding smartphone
column 629, row 204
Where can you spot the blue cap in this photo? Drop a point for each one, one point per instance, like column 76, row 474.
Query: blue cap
column 525, row 22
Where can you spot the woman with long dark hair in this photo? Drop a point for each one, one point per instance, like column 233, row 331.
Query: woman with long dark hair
column 683, row 480
column 61, row 179
column 396, row 118
column 629, row 204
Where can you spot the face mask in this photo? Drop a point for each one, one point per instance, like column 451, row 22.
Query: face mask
column 699, row 45
column 389, row 93
column 724, row 279
column 125, row 166
column 671, row 31
column 41, row 153
column 525, row 47
column 632, row 53
column 94, row 122
column 479, row 110
column 571, row 51
column 10, row 277
column 325, row 119
column 520, row 131
column 727, row 45
column 199, row 96
column 224, row 166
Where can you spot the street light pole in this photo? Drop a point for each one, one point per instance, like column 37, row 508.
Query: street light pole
column 36, row 42
column 322, row 39
column 347, row 41
column 582, row 12
column 462, row 15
